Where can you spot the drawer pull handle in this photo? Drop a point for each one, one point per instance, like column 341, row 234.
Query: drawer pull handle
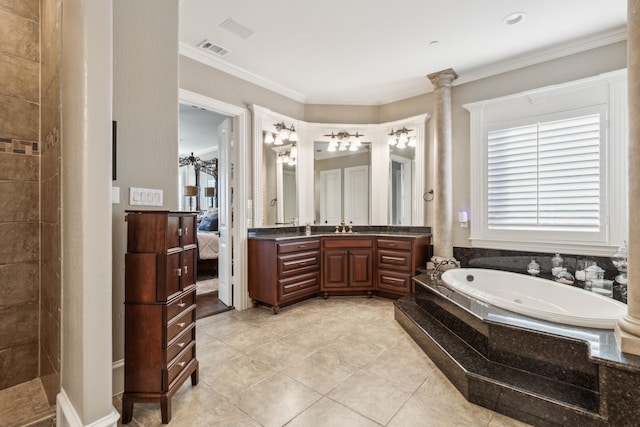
column 392, row 245
column 179, row 232
column 181, row 364
column 186, row 269
column 179, row 272
column 186, row 231
column 182, row 304
column 302, row 246
column 181, row 344
column 303, row 263
column 181, row 324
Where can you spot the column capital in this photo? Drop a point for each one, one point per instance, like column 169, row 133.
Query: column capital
column 442, row 78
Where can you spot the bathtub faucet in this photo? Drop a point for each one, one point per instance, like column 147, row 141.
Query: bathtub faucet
column 440, row 265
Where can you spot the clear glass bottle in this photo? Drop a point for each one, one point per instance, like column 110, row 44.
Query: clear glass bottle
column 593, row 273
column 557, row 264
column 533, row 268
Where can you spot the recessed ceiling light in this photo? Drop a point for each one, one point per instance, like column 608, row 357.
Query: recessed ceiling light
column 513, row 18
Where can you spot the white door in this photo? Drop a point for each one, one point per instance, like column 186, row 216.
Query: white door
column 356, row 195
column 224, row 211
column 330, row 197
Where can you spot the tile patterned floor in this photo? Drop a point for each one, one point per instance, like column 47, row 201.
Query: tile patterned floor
column 25, row 404
column 335, row 362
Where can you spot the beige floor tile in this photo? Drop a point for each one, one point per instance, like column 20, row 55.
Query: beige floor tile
column 372, row 396
column 353, row 350
column 321, row 372
column 232, row 378
column 219, row 413
column 423, row 410
column 276, row 400
column 279, row 354
column 211, row 353
column 499, row 420
column 406, row 368
column 327, row 412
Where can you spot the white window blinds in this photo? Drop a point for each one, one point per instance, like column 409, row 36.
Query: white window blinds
column 545, row 176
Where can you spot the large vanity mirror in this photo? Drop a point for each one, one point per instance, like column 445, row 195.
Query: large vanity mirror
column 342, row 165
column 327, row 173
column 402, row 164
column 276, row 143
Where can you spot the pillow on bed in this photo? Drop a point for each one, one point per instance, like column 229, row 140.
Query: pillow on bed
column 209, row 223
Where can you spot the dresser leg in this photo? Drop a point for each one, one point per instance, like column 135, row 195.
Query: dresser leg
column 326, row 295
column 165, row 409
column 195, row 378
column 369, row 294
column 127, row 410
column 276, row 309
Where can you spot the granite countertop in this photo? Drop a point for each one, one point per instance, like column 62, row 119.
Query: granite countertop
column 288, row 233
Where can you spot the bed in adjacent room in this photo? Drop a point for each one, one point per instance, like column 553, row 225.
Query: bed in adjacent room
column 208, row 242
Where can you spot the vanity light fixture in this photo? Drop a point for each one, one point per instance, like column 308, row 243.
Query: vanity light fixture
column 286, row 133
column 401, row 138
column 343, row 141
column 268, row 138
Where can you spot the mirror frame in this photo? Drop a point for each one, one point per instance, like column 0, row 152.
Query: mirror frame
column 263, row 118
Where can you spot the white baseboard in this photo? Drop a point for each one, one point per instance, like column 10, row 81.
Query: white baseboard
column 117, row 383
column 67, row 416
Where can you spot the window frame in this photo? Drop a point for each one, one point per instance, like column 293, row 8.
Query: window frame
column 606, row 92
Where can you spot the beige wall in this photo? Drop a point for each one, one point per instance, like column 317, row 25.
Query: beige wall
column 19, row 190
column 215, row 84
column 145, row 105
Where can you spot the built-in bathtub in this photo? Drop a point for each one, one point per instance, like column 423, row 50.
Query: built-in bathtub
column 539, row 371
column 540, row 298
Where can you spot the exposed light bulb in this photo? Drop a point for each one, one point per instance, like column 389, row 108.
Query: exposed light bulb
column 268, row 138
column 401, row 144
column 403, row 138
column 293, row 136
column 392, row 140
column 412, row 141
column 343, row 145
column 278, row 141
column 333, row 145
column 294, row 152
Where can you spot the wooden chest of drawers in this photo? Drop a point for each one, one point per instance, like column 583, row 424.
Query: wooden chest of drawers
column 281, row 273
column 160, row 308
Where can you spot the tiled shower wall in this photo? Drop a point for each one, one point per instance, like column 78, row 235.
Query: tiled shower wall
column 19, row 190
column 30, row 253
column 50, row 208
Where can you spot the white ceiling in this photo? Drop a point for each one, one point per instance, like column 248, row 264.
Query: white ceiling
column 371, row 52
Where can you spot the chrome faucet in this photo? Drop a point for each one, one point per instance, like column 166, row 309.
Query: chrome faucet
column 439, row 266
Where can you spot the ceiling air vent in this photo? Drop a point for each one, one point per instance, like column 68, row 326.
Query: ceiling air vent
column 212, row 47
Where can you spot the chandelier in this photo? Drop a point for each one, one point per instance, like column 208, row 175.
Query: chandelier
column 282, row 134
column 343, row 141
column 401, row 139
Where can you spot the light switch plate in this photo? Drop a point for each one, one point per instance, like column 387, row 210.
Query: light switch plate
column 145, row 196
column 115, row 195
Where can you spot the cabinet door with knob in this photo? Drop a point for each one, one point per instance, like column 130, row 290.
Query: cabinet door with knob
column 160, row 308
column 347, row 264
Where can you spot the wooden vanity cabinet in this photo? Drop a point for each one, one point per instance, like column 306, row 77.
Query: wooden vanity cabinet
column 160, row 308
column 281, row 273
column 398, row 259
column 347, row 264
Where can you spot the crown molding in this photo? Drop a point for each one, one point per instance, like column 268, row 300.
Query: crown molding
column 532, row 58
column 197, row 55
column 540, row 56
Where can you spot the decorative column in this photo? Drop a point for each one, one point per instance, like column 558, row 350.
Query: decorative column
column 443, row 201
column 628, row 328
